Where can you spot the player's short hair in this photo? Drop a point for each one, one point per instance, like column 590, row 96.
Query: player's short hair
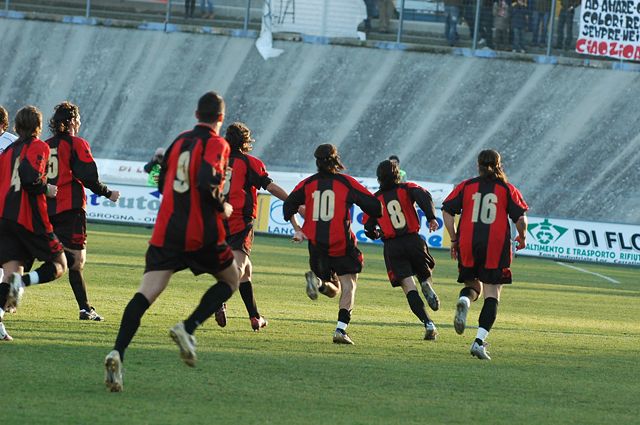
column 328, row 159
column 239, row 137
column 4, row 119
column 490, row 165
column 210, row 106
column 388, row 174
column 28, row 122
column 394, row 158
column 63, row 114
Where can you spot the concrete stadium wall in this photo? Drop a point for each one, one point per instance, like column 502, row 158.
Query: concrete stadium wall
column 570, row 136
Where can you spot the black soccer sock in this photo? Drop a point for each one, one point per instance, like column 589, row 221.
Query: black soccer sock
column 246, row 292
column 130, row 322
column 4, row 292
column 488, row 313
column 344, row 316
column 46, row 273
column 469, row 293
column 417, row 306
column 79, row 288
column 210, row 303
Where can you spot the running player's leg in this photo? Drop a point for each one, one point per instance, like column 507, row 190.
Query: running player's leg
column 472, row 289
column 417, row 307
column 152, row 285
column 9, row 268
column 245, row 270
column 347, row 301
column 76, row 260
column 486, row 320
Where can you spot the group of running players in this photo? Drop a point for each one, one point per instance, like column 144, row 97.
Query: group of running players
column 205, row 223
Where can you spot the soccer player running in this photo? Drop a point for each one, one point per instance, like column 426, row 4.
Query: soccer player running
column 248, row 174
column 482, row 241
column 405, row 253
column 6, row 139
column 71, row 168
column 334, row 257
column 189, row 233
column 25, row 230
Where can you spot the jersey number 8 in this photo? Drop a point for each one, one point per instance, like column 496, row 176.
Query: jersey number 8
column 181, row 183
column 398, row 220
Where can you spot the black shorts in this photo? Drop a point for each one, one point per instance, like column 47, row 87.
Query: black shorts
column 242, row 241
column 407, row 256
column 489, row 276
column 19, row 244
column 326, row 267
column 71, row 228
column 209, row 259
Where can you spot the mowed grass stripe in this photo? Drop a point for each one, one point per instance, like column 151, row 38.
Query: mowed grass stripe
column 565, row 346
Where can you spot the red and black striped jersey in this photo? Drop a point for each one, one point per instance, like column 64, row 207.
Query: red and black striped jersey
column 328, row 199
column 248, row 174
column 485, row 206
column 71, row 168
column 399, row 215
column 23, row 184
column 191, row 181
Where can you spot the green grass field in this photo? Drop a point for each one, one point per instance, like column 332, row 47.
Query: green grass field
column 565, row 349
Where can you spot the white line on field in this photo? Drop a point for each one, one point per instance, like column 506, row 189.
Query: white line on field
column 580, row 269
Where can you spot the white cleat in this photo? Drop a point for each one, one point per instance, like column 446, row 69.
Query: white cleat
column 430, row 295
column 460, row 319
column 342, row 338
column 186, row 343
column 16, row 290
column 480, row 351
column 312, row 285
column 113, row 372
column 4, row 336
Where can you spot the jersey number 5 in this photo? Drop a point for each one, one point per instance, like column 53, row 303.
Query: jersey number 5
column 323, row 205
column 484, row 208
column 52, row 167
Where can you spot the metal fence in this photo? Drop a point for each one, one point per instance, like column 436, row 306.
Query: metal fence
column 418, row 21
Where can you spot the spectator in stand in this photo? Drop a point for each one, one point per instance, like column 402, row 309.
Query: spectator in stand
column 452, row 15
column 502, row 23
column 568, row 8
column 386, row 9
column 372, row 12
column 206, row 7
column 469, row 15
column 403, row 174
column 486, row 24
column 540, row 20
column 6, row 138
column 189, row 8
column 153, row 167
column 518, row 24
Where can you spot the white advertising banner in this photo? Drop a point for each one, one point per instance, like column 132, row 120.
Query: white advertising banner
column 583, row 241
column 610, row 28
column 560, row 239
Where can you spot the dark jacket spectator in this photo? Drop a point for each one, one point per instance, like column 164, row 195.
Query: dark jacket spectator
column 518, row 15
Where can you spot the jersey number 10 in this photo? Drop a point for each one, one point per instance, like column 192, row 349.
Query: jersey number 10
column 323, row 205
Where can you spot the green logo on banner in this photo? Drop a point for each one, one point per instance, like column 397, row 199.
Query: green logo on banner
column 545, row 232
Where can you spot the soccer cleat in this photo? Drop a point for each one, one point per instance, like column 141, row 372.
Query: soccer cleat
column 430, row 331
column 186, row 343
column 430, row 295
column 4, row 336
column 113, row 372
column 480, row 351
column 258, row 323
column 341, row 338
column 221, row 316
column 90, row 315
column 16, row 289
column 460, row 319
column 312, row 285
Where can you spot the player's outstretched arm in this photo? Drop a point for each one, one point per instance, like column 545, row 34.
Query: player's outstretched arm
column 450, row 225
